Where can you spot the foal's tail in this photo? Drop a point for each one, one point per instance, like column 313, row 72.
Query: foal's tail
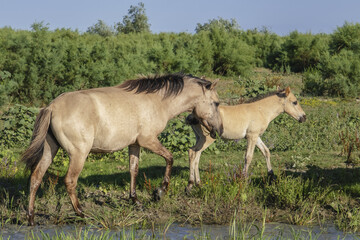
column 34, row 152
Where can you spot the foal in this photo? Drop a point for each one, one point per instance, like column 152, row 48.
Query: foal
column 249, row 120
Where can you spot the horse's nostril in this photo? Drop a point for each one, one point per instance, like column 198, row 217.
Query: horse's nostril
column 302, row 119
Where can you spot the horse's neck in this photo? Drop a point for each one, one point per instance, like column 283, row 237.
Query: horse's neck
column 271, row 107
column 175, row 106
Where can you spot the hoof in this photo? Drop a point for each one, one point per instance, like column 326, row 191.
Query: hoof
column 30, row 218
column 188, row 190
column 272, row 177
column 80, row 214
column 31, row 221
column 158, row 194
column 135, row 202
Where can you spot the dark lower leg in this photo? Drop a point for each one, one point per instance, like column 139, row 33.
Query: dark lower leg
column 167, row 176
column 134, row 152
column 71, row 189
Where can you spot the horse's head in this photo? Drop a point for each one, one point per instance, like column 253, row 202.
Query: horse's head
column 206, row 110
column 292, row 106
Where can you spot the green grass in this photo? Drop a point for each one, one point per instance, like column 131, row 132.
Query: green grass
column 317, row 180
column 307, row 195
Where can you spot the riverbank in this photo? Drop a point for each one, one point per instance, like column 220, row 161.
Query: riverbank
column 318, row 178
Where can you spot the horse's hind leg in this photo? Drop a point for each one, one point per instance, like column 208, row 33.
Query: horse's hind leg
column 77, row 160
column 50, row 149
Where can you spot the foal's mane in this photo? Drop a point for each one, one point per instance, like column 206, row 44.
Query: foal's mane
column 279, row 93
column 172, row 83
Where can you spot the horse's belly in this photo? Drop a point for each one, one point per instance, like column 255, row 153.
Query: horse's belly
column 112, row 142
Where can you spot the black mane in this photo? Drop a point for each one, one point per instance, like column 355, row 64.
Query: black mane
column 279, row 93
column 173, row 84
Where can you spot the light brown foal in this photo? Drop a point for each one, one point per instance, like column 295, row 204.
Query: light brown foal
column 249, row 120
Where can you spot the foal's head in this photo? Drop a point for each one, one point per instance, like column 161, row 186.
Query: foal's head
column 206, row 110
column 292, row 106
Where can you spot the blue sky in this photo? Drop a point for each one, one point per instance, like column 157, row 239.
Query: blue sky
column 280, row 16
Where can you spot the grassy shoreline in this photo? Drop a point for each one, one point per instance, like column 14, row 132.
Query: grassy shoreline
column 301, row 196
column 318, row 176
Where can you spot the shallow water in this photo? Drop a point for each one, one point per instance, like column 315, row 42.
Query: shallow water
column 180, row 231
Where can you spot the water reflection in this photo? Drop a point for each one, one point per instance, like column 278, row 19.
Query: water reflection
column 179, row 231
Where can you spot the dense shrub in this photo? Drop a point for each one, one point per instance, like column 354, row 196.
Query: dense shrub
column 336, row 75
column 16, row 126
column 38, row 65
column 346, row 37
column 301, row 51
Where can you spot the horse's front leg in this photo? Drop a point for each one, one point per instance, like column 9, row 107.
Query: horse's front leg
column 266, row 152
column 155, row 146
column 202, row 142
column 134, row 152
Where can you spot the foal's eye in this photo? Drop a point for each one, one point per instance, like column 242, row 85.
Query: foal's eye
column 216, row 104
column 295, row 103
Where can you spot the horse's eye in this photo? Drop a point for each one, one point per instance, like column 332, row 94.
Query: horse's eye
column 295, row 103
column 217, row 104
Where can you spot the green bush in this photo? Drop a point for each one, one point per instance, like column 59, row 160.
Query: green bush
column 336, row 75
column 16, row 126
column 346, row 37
column 301, row 51
column 178, row 137
column 38, row 65
column 8, row 163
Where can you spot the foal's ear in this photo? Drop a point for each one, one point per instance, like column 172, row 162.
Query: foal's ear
column 287, row 91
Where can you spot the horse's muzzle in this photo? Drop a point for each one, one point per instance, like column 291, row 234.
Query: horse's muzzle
column 302, row 119
column 214, row 131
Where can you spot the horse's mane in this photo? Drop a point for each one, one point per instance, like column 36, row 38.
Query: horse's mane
column 279, row 93
column 173, row 84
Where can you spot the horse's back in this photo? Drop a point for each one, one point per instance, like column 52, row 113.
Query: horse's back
column 101, row 120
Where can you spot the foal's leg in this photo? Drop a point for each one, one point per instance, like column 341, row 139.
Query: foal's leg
column 251, row 141
column 50, row 149
column 202, row 142
column 134, row 152
column 265, row 151
column 155, row 146
column 77, row 160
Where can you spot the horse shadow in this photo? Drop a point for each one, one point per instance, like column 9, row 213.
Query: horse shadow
column 145, row 175
column 339, row 178
column 15, row 188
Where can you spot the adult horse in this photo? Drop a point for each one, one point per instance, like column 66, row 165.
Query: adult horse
column 249, row 120
column 109, row 119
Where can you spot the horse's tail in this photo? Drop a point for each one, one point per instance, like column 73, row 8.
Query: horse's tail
column 34, row 152
column 191, row 120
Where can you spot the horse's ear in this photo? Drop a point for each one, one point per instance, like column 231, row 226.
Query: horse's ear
column 287, row 91
column 213, row 85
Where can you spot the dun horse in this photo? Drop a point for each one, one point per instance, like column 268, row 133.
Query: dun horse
column 109, row 119
column 244, row 121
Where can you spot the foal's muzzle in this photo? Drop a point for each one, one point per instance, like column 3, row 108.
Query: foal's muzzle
column 302, row 119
